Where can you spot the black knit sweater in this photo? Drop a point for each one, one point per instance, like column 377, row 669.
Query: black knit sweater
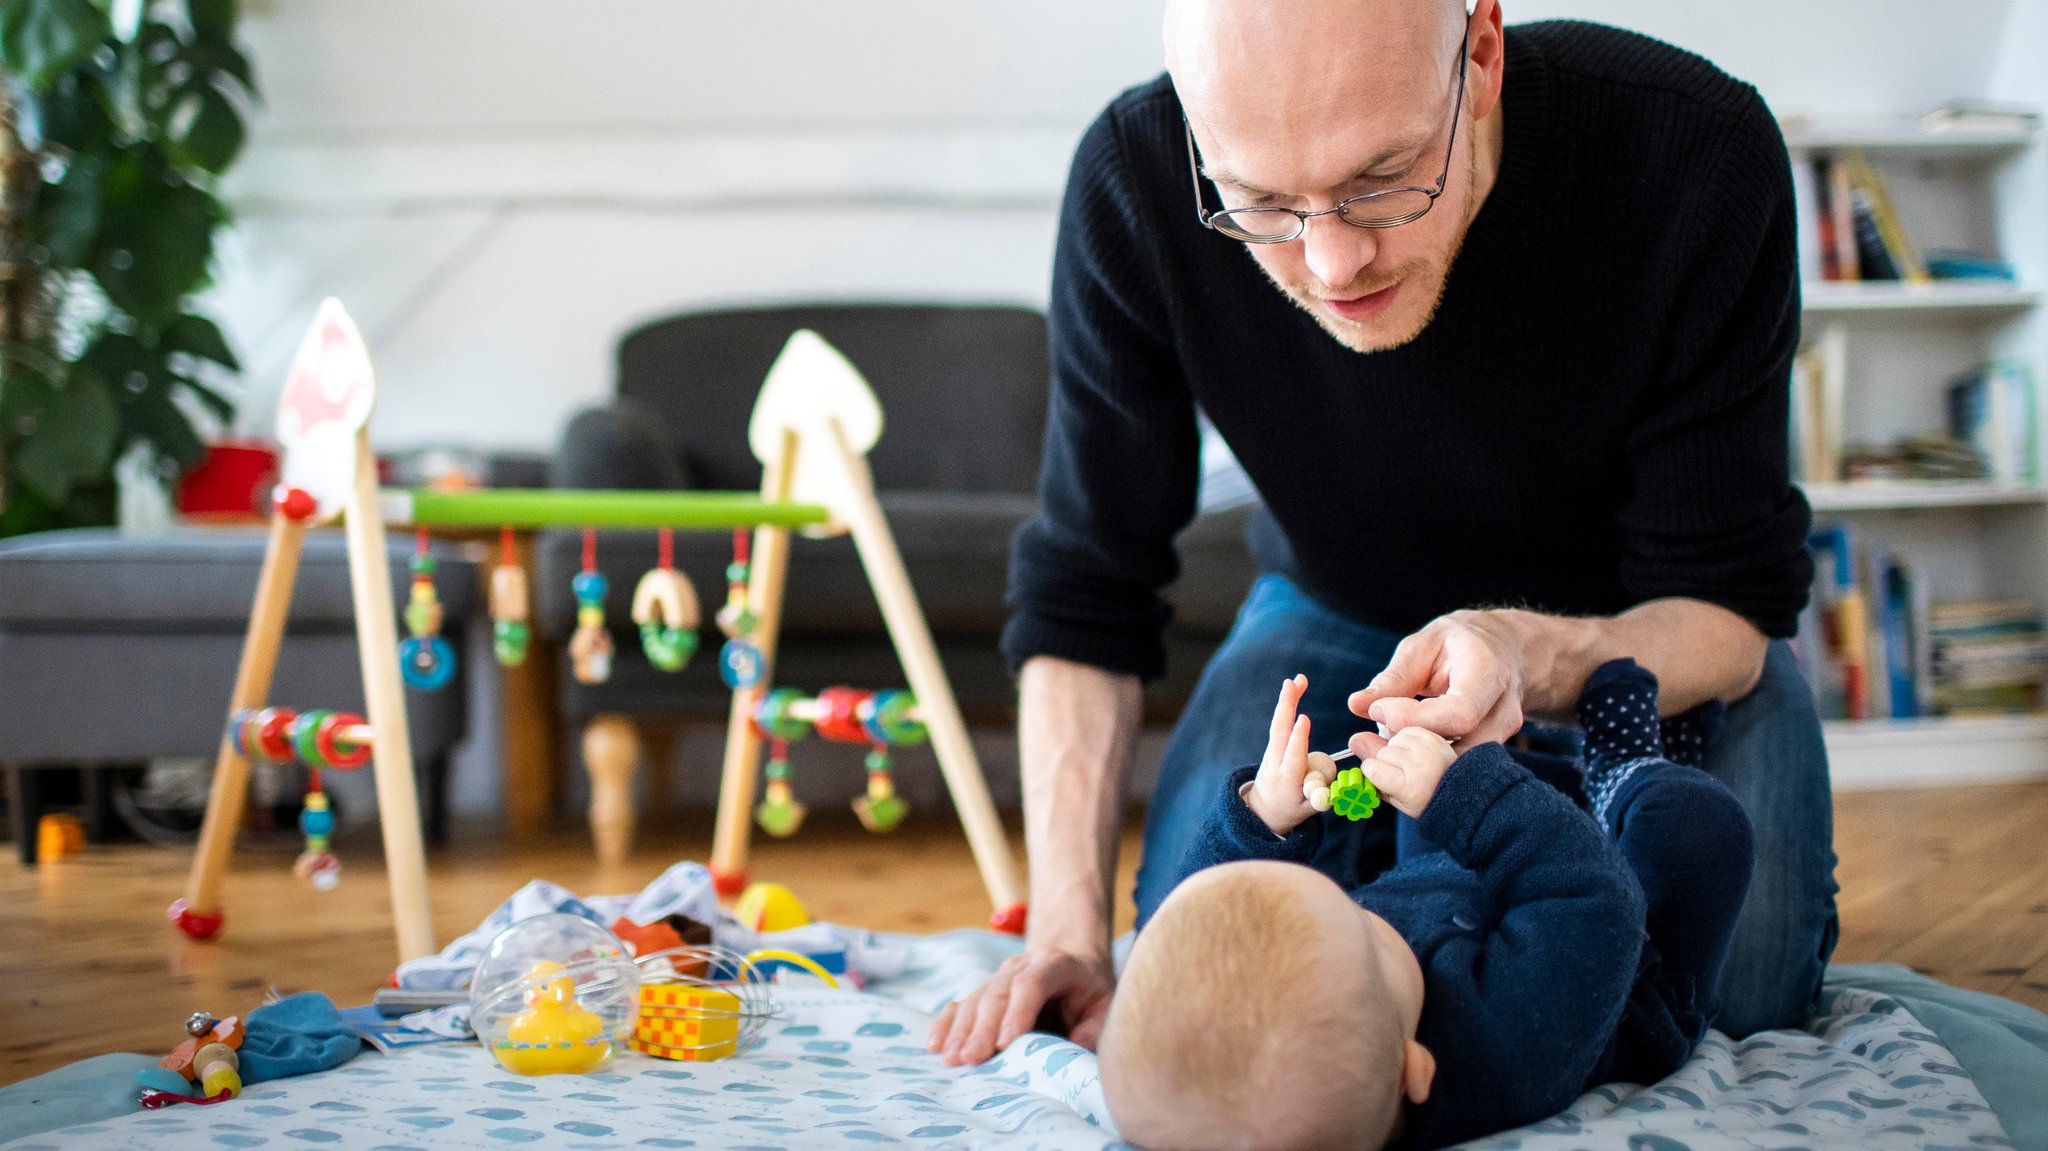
column 1595, row 417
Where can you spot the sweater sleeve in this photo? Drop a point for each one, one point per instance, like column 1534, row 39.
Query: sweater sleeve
column 1542, row 987
column 1121, row 462
column 1711, row 513
column 1233, row 832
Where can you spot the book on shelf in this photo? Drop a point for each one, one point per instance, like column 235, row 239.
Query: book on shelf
column 1871, row 254
column 1876, row 645
column 1988, row 657
column 1841, row 207
column 1871, row 199
column 1991, row 408
column 1896, row 589
column 1820, row 372
column 1838, row 654
column 1847, row 228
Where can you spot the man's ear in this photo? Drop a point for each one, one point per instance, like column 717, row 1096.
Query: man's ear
column 1418, row 1071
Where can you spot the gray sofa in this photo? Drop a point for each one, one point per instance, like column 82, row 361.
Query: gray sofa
column 116, row 650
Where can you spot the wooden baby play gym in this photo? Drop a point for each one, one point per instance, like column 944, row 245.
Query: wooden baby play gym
column 812, row 426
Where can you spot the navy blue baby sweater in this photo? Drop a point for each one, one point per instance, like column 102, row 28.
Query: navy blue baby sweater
column 1529, row 928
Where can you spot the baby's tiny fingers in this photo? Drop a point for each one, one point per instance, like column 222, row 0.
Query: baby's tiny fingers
column 1390, row 778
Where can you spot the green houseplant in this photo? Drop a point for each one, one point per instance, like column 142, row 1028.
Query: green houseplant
column 118, row 122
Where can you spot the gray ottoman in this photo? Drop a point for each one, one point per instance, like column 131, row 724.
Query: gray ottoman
column 116, row 650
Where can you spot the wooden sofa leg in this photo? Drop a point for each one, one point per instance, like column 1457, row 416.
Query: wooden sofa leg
column 24, row 802
column 611, row 747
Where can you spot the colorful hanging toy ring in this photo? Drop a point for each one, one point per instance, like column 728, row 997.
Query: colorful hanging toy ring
column 511, row 634
column 665, row 609
column 425, row 659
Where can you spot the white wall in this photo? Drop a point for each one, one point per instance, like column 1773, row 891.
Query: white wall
column 500, row 190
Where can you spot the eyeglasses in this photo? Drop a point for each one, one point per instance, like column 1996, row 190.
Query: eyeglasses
column 1384, row 209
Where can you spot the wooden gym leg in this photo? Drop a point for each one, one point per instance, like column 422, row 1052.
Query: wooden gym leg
column 198, row 913
column 766, row 583
column 398, row 803
column 920, row 659
column 610, row 749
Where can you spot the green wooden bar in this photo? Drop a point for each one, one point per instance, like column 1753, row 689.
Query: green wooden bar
column 569, row 507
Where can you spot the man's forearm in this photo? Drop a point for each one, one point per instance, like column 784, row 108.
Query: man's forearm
column 1697, row 650
column 1077, row 727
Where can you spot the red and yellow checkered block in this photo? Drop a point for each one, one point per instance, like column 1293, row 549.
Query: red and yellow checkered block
column 681, row 1021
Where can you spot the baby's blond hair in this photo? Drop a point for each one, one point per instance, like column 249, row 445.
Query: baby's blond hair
column 1246, row 1019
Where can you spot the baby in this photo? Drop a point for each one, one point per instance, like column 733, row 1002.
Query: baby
column 1519, row 952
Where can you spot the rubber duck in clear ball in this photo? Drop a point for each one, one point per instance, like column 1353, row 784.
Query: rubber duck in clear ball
column 555, row 1035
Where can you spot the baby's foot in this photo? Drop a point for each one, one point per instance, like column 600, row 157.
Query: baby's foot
column 1618, row 711
column 1688, row 734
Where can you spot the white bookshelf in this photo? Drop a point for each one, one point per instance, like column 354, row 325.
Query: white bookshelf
column 1975, row 191
column 1825, row 298
column 1901, row 495
column 1878, row 753
column 1906, row 138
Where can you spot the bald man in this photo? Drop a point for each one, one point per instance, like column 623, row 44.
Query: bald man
column 1499, row 323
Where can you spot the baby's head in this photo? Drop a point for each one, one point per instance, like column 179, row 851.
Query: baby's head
column 1261, row 1007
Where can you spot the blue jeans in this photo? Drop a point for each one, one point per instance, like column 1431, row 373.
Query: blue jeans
column 1769, row 754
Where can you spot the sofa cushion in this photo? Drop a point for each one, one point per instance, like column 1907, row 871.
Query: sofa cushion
column 194, row 580
column 964, row 387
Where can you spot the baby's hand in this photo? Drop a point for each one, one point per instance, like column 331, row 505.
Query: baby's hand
column 1406, row 768
column 1293, row 782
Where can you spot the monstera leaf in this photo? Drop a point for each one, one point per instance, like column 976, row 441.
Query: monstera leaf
column 111, row 228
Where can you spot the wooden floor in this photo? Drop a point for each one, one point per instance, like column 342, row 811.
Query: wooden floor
column 1953, row 883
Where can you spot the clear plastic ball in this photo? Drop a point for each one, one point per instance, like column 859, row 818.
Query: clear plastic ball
column 554, row 994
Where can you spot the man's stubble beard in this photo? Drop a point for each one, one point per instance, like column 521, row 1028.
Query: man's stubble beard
column 1355, row 336
column 1358, row 337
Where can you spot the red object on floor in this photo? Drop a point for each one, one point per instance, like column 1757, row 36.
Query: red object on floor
column 197, row 924
column 232, row 480
column 646, row 939
column 1010, row 920
column 728, row 882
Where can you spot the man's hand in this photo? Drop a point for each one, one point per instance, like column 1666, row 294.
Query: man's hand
column 1008, row 1004
column 1293, row 782
column 1469, row 664
column 1406, row 768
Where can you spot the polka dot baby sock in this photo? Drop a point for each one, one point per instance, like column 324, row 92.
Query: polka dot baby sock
column 1618, row 711
column 1688, row 734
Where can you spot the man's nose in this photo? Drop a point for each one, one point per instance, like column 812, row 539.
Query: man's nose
column 1335, row 251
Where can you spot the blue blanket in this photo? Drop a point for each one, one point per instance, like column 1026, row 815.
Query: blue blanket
column 1894, row 1059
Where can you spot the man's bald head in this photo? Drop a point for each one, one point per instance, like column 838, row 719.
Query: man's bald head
column 1286, row 68
column 1305, row 103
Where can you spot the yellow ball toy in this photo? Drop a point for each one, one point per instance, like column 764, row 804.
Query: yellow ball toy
column 770, row 907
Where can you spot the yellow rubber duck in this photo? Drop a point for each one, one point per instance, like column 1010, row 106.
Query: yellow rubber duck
column 555, row 1035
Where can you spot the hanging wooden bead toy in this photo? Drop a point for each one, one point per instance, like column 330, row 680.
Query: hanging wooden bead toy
column 880, row 719
column 511, row 606
column 778, row 813
column 317, row 739
column 739, row 662
column 590, row 649
column 665, row 607
column 881, row 809
column 425, row 659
